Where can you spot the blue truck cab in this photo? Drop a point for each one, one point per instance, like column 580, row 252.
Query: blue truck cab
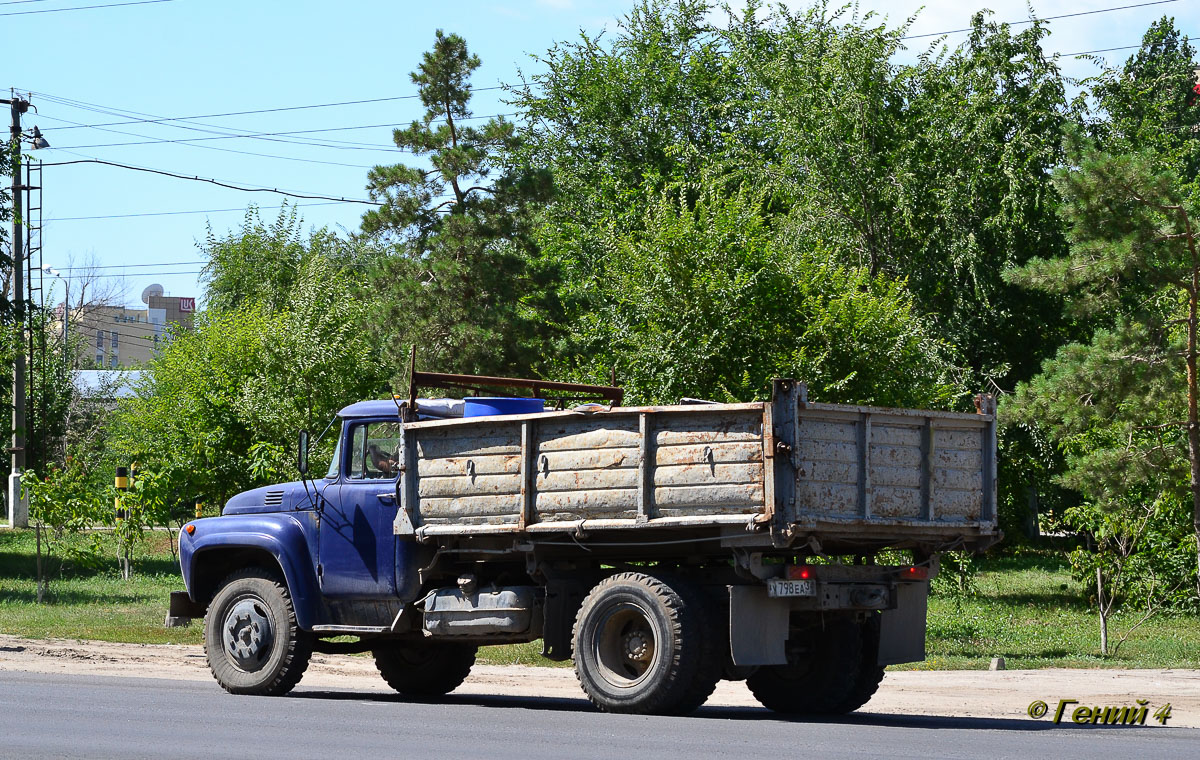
column 322, row 552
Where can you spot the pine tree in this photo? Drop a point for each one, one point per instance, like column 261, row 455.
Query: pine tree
column 1125, row 405
column 467, row 284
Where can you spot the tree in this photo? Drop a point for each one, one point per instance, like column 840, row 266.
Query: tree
column 1150, row 103
column 709, row 300
column 260, row 263
column 846, row 144
column 1124, row 405
column 219, row 409
column 466, row 284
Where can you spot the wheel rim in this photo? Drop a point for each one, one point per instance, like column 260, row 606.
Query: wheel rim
column 249, row 634
column 626, row 645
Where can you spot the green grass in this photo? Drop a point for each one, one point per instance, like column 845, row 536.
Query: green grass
column 1030, row 611
column 90, row 602
column 1026, row 609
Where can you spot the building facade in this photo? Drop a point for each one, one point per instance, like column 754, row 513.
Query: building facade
column 118, row 336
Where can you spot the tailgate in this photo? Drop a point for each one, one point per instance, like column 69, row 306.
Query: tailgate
column 876, row 468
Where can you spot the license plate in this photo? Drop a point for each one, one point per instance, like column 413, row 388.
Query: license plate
column 781, row 587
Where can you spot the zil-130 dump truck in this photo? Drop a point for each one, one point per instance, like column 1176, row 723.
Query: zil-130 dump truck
column 662, row 547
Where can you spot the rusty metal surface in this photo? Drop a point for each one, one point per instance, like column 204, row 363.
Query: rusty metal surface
column 857, row 462
column 443, row 380
column 850, row 469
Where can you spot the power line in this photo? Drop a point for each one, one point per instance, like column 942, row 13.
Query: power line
column 189, row 140
column 127, row 266
column 159, row 119
column 121, row 276
column 1047, row 18
column 1103, row 50
column 178, row 213
column 214, row 147
column 83, row 7
column 224, row 133
column 304, row 142
column 91, row 275
column 206, row 129
column 218, row 183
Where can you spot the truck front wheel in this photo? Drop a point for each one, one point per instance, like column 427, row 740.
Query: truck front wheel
column 425, row 669
column 642, row 645
column 253, row 643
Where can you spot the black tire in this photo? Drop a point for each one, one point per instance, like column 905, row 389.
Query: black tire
column 251, row 638
column 870, row 673
column 643, row 645
column 821, row 674
column 425, row 669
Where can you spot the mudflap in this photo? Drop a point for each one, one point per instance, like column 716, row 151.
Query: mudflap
column 758, row 626
column 181, row 610
column 902, row 629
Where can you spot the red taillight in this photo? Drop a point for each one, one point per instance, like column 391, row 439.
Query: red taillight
column 799, row 572
column 914, row 573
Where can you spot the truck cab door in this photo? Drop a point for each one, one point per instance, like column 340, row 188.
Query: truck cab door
column 357, row 546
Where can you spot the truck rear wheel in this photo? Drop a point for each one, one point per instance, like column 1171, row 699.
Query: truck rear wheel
column 870, row 672
column 821, row 675
column 642, row 645
column 251, row 638
column 425, row 669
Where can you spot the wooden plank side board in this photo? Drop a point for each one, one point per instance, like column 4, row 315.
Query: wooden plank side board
column 480, row 464
column 746, row 496
column 880, row 466
column 587, row 467
column 847, row 465
column 588, row 433
column 717, row 452
column 467, row 446
column 466, row 485
column 468, row 474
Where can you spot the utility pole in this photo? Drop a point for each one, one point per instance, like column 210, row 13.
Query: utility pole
column 18, row 506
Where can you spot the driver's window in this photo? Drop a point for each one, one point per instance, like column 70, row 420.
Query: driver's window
column 375, row 450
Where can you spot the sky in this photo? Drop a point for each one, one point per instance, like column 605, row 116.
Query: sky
column 143, row 62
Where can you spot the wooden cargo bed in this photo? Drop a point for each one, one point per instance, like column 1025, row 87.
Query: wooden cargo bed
column 775, row 472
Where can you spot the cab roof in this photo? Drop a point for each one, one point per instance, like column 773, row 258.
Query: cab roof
column 384, row 407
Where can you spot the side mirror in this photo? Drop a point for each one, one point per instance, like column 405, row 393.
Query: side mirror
column 302, row 453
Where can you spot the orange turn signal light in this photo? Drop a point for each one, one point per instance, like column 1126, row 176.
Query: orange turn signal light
column 189, row 529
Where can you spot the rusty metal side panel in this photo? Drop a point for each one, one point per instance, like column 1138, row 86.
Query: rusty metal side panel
column 709, row 462
column 469, row 474
column 880, row 465
column 587, row 468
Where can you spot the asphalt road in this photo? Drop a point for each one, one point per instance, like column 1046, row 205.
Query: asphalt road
column 52, row 716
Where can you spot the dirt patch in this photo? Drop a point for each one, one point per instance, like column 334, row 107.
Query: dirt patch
column 948, row 693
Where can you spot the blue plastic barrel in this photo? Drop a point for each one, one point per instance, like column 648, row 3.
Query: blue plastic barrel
column 484, row 406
